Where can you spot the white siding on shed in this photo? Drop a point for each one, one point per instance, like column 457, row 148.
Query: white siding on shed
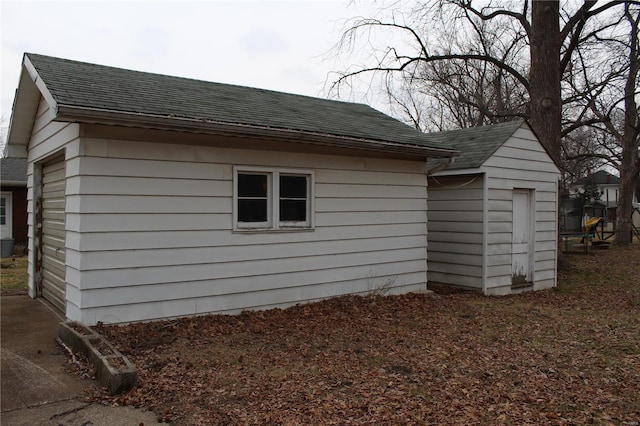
column 470, row 218
column 455, row 223
column 521, row 163
column 151, row 231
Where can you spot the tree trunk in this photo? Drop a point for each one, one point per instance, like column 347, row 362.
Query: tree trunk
column 545, row 104
column 630, row 167
column 625, row 209
column 545, row 100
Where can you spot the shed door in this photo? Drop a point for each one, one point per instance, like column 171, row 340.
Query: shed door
column 522, row 247
column 53, row 234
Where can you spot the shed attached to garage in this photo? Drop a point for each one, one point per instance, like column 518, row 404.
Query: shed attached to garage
column 492, row 219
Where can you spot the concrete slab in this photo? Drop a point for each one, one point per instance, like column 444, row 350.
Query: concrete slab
column 26, row 384
column 34, row 386
column 77, row 413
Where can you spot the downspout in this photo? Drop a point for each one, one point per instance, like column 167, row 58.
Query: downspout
column 441, row 166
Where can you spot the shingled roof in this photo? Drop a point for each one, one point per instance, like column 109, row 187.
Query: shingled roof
column 475, row 144
column 600, row 177
column 86, row 92
column 13, row 171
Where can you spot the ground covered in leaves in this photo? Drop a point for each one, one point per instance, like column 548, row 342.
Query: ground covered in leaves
column 565, row 356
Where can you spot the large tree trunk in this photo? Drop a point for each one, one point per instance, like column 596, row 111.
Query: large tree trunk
column 625, row 209
column 630, row 167
column 545, row 100
column 545, row 105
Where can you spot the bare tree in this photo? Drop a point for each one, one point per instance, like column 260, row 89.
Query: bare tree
column 450, row 51
column 604, row 89
column 439, row 32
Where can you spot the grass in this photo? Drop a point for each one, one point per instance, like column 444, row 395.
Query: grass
column 13, row 275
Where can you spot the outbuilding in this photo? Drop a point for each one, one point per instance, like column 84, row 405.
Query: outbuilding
column 492, row 219
column 153, row 196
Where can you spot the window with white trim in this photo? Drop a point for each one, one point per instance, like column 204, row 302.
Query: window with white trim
column 272, row 199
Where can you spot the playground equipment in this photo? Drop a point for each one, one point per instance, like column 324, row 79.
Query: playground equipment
column 580, row 222
column 590, row 224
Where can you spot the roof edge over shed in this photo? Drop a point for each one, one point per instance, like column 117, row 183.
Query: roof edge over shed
column 140, row 120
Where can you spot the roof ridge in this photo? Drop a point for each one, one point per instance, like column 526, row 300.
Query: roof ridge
column 157, row 74
column 86, row 92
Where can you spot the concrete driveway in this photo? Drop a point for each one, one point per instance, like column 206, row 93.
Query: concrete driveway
column 34, row 387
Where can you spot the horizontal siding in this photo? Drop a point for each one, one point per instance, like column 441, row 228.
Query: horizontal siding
column 150, row 228
column 455, row 231
column 523, row 163
column 455, row 217
column 108, row 241
column 233, row 303
column 128, row 296
column 48, row 139
column 143, row 275
column 214, row 255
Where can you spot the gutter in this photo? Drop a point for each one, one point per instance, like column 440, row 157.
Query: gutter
column 441, row 166
column 107, row 117
column 13, row 183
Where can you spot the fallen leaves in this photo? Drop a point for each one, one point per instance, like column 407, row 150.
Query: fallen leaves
column 567, row 356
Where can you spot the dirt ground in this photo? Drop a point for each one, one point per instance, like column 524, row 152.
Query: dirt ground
column 565, row 356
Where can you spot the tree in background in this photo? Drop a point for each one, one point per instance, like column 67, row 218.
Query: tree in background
column 590, row 193
column 461, row 65
column 608, row 102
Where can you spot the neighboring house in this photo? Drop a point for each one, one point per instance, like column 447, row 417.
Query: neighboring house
column 13, row 203
column 153, row 196
column 492, row 219
column 609, row 187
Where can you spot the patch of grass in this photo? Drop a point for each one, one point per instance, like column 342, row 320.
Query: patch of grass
column 13, row 276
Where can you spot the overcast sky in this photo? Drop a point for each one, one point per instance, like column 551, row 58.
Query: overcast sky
column 278, row 45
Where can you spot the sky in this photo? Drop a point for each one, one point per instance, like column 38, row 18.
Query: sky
column 277, row 45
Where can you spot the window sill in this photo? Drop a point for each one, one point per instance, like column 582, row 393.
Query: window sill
column 271, row 230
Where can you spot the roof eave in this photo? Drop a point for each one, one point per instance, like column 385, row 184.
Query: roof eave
column 109, row 117
column 454, row 172
column 25, row 106
column 13, row 182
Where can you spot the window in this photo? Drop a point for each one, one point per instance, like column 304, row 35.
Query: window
column 272, row 199
column 3, row 211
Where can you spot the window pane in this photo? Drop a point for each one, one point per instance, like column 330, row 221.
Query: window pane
column 252, row 210
column 293, row 210
column 293, row 186
column 252, row 185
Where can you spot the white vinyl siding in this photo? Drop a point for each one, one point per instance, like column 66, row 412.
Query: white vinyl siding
column 455, row 231
column 49, row 139
column 471, row 224
column 520, row 163
column 153, row 231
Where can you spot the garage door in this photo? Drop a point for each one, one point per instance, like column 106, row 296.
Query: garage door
column 53, row 234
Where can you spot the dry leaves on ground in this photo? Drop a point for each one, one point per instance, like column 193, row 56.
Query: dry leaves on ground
column 564, row 356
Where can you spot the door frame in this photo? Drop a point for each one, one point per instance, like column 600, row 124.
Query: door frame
column 531, row 214
column 38, row 220
column 8, row 214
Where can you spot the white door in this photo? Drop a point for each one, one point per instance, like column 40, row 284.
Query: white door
column 5, row 216
column 522, row 246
